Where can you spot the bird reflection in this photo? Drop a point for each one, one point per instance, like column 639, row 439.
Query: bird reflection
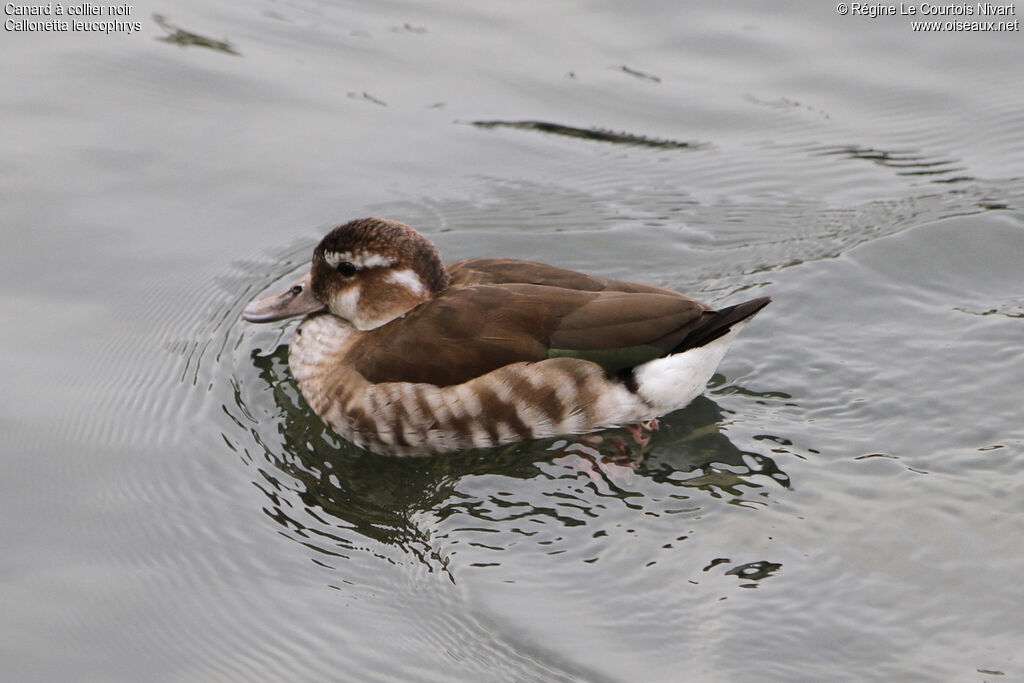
column 351, row 496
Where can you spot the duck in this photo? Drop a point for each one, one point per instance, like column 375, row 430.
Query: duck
column 404, row 356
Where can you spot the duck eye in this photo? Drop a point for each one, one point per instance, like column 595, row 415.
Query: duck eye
column 346, row 269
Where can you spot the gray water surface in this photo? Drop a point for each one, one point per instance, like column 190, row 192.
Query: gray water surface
column 846, row 502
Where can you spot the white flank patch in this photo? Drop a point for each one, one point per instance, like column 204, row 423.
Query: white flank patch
column 670, row 383
column 409, row 279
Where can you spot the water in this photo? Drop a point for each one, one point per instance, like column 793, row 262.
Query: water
column 843, row 504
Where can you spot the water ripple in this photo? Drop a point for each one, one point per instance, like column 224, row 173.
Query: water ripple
column 596, row 134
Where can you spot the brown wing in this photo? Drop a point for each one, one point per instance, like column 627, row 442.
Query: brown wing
column 495, row 271
column 490, row 318
column 609, row 321
column 461, row 334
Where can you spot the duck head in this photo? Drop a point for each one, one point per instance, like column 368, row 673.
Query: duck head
column 368, row 271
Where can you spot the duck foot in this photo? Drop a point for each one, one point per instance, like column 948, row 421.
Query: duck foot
column 623, row 454
column 639, row 431
column 607, row 460
column 605, row 471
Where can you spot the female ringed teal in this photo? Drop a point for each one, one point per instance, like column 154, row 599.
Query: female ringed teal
column 403, row 356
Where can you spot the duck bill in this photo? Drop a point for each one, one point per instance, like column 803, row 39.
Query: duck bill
column 296, row 299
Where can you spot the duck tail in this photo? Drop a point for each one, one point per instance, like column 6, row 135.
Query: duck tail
column 718, row 323
column 672, row 381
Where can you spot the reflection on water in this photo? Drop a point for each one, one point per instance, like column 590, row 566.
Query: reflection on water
column 181, row 37
column 903, row 162
column 596, row 134
column 341, row 501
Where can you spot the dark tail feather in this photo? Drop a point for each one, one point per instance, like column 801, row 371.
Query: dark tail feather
column 720, row 322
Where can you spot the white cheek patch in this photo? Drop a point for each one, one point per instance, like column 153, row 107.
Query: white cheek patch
column 346, row 304
column 409, row 279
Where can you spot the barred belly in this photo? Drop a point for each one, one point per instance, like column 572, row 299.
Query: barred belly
column 517, row 402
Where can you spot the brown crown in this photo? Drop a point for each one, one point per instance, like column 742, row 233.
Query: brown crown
column 382, row 236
